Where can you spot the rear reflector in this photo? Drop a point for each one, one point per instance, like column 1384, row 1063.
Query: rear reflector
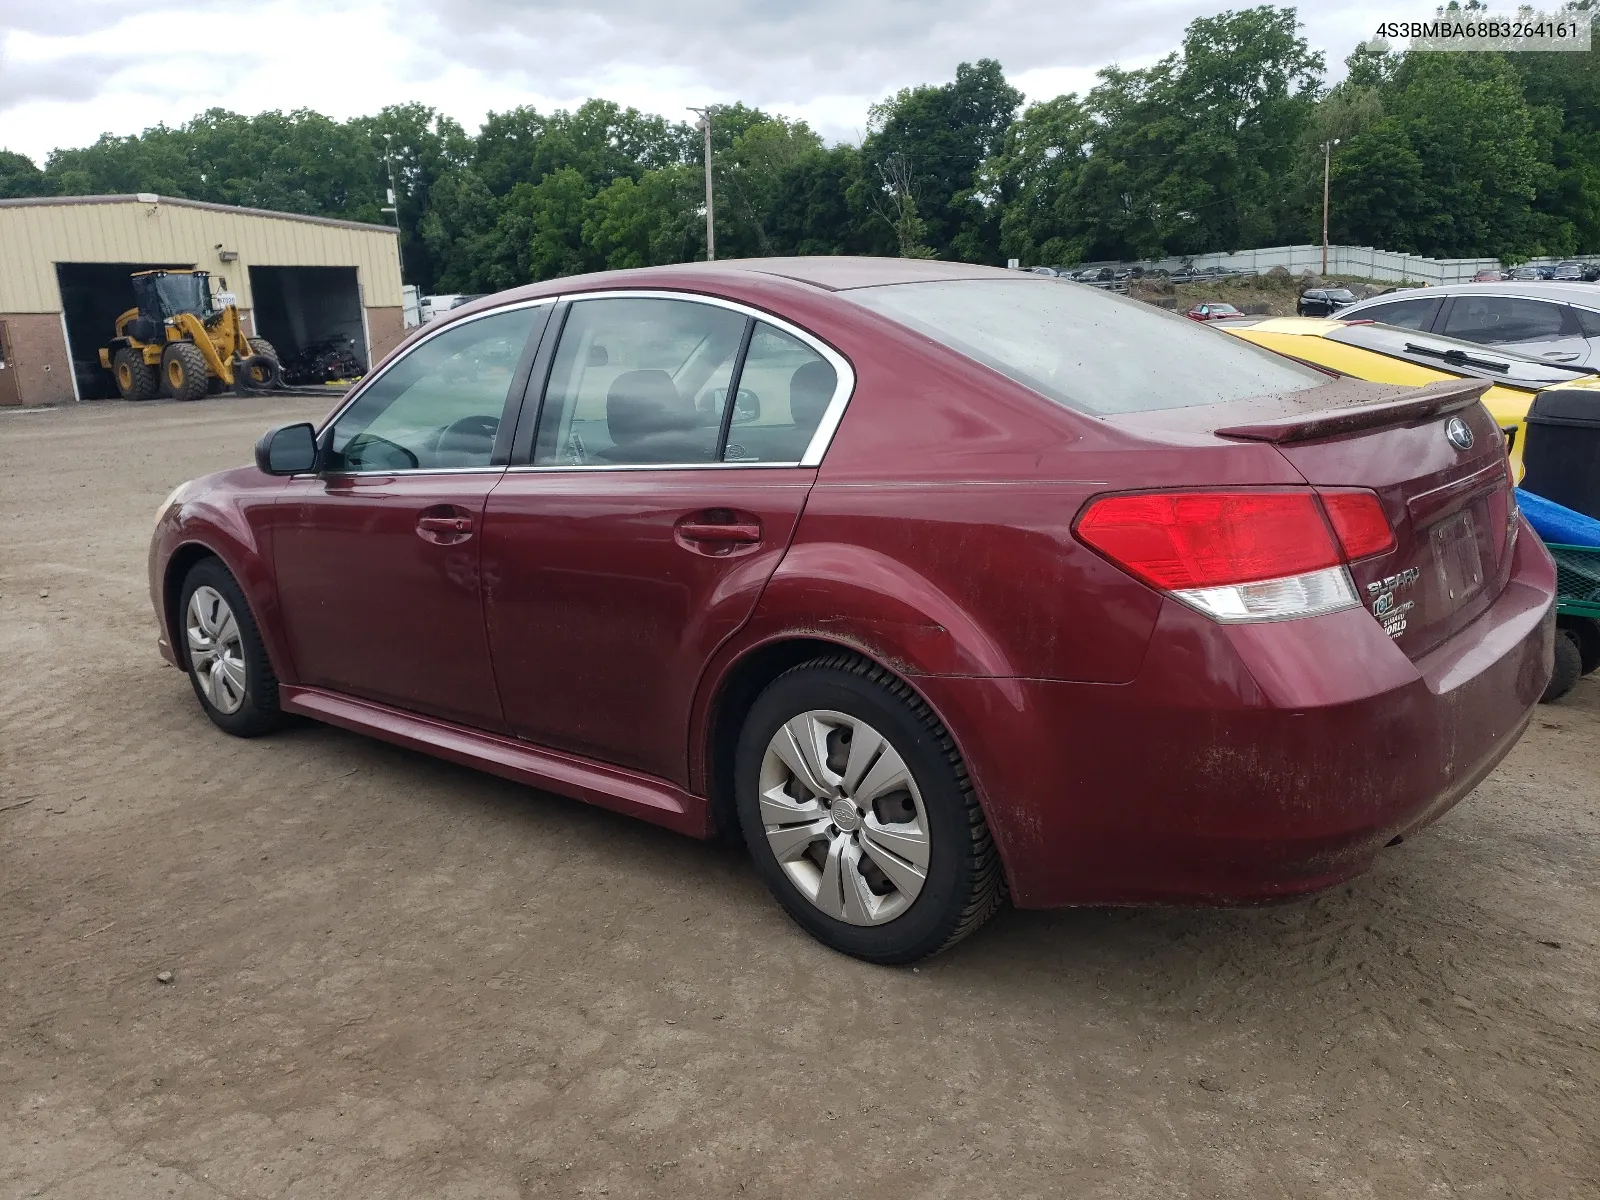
column 1260, row 555
column 1358, row 520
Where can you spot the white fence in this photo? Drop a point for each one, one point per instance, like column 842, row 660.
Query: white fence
column 1364, row 261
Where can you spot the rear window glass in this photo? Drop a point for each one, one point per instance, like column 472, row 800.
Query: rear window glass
column 1084, row 348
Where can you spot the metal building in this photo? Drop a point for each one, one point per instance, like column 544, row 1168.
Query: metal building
column 65, row 263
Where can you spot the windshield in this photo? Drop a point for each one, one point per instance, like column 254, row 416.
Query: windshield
column 1457, row 357
column 1341, row 294
column 1084, row 348
column 183, row 293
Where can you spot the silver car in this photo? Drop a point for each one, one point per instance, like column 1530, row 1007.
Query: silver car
column 1552, row 320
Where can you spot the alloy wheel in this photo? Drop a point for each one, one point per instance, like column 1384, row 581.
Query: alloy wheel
column 216, row 649
column 844, row 817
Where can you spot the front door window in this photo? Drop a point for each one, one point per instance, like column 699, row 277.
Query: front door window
column 439, row 407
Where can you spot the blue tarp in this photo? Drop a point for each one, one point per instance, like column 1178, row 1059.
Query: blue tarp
column 1557, row 524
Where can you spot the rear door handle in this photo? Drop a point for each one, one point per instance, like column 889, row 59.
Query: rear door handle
column 1560, row 356
column 705, row 531
column 444, row 529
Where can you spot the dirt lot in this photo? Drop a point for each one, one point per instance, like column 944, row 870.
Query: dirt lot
column 395, row 977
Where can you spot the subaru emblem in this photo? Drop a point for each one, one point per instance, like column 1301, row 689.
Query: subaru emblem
column 1458, row 433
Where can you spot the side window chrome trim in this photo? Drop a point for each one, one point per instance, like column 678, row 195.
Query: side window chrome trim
column 843, row 388
column 356, row 392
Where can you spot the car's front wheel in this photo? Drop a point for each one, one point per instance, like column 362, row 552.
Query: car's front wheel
column 859, row 814
column 227, row 662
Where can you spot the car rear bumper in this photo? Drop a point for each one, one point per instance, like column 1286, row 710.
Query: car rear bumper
column 1247, row 763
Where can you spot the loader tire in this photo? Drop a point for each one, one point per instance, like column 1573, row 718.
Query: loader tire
column 136, row 379
column 183, row 371
column 262, row 346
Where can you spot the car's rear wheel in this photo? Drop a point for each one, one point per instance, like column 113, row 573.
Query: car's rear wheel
column 859, row 814
column 1568, row 666
column 227, row 662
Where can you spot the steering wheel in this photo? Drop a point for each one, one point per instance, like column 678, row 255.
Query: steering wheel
column 475, row 426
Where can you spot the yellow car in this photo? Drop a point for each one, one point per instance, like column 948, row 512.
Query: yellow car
column 1389, row 354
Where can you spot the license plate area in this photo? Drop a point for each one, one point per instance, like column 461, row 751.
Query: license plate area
column 1459, row 559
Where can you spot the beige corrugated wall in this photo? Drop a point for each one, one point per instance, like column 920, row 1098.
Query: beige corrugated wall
column 34, row 237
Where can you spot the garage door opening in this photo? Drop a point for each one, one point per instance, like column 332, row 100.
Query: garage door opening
column 311, row 315
column 93, row 296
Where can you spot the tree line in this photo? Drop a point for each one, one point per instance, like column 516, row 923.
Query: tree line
column 1218, row 146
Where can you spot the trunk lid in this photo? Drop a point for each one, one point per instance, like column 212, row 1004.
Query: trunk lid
column 1437, row 462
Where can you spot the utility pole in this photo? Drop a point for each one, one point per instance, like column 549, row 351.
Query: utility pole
column 394, row 203
column 1327, row 162
column 711, row 232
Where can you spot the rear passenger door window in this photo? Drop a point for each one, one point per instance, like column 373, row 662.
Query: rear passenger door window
column 1503, row 320
column 639, row 382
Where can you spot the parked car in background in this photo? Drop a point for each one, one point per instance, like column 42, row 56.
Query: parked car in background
column 1528, row 273
column 1096, row 275
column 1555, row 321
column 1212, row 312
column 1049, row 271
column 1573, row 271
column 1489, row 275
column 1390, row 354
column 434, row 307
column 1324, row 302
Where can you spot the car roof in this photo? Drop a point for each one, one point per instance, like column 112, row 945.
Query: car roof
column 834, row 273
column 1529, row 289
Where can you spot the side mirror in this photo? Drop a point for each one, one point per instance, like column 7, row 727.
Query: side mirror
column 746, row 407
column 287, row 450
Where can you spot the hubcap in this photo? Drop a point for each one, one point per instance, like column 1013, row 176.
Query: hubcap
column 216, row 649
column 844, row 817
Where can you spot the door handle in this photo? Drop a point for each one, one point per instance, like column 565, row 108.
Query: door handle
column 444, row 526
column 1559, row 356
column 705, row 531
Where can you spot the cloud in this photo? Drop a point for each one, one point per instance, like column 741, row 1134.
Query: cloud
column 71, row 71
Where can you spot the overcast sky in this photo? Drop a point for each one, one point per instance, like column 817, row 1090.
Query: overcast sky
column 71, row 70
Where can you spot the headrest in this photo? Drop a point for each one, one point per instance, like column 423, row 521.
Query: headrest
column 810, row 389
column 643, row 403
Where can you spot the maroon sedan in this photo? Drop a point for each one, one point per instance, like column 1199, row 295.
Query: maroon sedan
column 938, row 583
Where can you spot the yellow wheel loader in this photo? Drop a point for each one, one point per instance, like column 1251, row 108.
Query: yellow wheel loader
column 176, row 343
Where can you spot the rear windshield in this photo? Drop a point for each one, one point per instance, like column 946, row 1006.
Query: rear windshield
column 1085, row 348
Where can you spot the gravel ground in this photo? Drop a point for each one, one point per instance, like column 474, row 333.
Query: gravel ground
column 395, row 977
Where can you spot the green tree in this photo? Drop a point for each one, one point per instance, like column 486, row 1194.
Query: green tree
column 19, row 177
column 659, row 219
column 923, row 153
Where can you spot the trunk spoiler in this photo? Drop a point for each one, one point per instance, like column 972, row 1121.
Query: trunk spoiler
column 1432, row 400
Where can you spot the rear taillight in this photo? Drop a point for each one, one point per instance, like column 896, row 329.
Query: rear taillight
column 1236, row 555
column 1358, row 521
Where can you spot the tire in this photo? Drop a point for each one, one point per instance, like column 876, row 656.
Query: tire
column 921, row 802
column 262, row 371
column 183, row 371
column 1569, row 666
column 241, row 694
column 1586, row 632
column 135, row 378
